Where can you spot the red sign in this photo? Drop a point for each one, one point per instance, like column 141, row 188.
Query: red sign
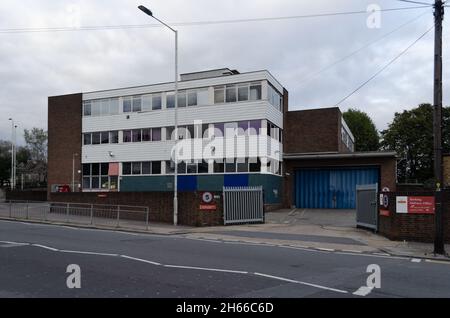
column 208, row 207
column 421, row 205
column 385, row 213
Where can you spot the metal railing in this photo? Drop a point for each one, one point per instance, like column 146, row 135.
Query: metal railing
column 243, row 205
column 114, row 216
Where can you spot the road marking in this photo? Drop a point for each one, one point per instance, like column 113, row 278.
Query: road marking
column 140, row 260
column 416, row 260
column 88, row 253
column 207, row 269
column 325, row 249
column 351, row 251
column 14, row 243
column 302, row 283
column 46, row 247
column 363, row 291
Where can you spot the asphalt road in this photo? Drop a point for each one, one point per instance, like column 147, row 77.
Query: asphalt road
column 34, row 259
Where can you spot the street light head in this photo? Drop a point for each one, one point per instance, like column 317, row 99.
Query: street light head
column 146, row 11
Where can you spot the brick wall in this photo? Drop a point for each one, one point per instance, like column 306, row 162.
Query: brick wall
column 387, row 166
column 64, row 138
column 315, row 130
column 26, row 195
column 413, row 227
column 160, row 205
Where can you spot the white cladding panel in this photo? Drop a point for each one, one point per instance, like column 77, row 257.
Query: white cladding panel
column 165, row 87
column 230, row 112
column 195, row 148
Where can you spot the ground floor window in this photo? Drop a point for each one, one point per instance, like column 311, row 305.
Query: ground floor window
column 96, row 176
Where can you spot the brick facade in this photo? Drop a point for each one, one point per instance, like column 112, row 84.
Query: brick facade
column 160, row 205
column 64, row 139
column 320, row 131
column 413, row 227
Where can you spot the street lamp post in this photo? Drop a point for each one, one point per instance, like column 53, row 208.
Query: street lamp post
column 12, row 152
column 175, row 187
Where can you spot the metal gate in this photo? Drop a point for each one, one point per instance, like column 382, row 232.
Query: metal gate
column 243, row 205
column 367, row 206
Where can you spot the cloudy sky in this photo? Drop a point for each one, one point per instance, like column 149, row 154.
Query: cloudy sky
column 35, row 65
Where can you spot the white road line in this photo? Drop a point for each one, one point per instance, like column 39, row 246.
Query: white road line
column 14, row 243
column 140, row 260
column 351, row 251
column 325, row 249
column 416, row 260
column 46, row 247
column 363, row 291
column 88, row 253
column 302, row 283
column 206, row 269
column 371, row 255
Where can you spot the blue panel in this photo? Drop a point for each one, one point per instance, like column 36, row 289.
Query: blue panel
column 187, row 183
column 236, row 180
column 331, row 188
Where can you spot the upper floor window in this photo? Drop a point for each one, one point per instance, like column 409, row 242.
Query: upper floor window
column 101, row 107
column 97, row 138
column 275, row 98
column 237, row 93
column 151, row 102
column 188, row 98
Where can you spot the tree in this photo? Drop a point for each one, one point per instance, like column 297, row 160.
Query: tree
column 22, row 157
column 36, row 143
column 411, row 135
column 364, row 130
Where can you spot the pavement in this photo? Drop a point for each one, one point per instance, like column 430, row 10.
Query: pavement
column 313, row 229
column 35, row 258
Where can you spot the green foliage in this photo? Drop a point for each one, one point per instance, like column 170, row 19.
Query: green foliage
column 411, row 135
column 364, row 130
column 36, row 143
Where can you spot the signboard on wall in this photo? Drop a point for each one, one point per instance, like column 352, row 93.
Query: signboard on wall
column 415, row 205
column 208, row 203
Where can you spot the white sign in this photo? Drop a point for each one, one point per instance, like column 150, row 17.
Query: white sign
column 402, row 205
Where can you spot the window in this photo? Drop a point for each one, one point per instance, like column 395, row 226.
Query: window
column 192, row 98
column 219, row 95
column 255, row 165
column 156, row 102
column 95, row 176
column 114, row 106
column 105, row 137
column 127, row 136
column 87, row 139
column 136, row 167
column 219, row 167
column 275, row 98
column 96, row 108
column 255, row 91
column 170, row 102
column 114, row 137
column 254, row 127
column 242, row 165
column 230, row 165
column 242, row 92
column 182, row 99
column 146, row 167
column 231, row 96
column 203, row 167
column 182, row 167
column 87, row 109
column 219, row 130
column 156, row 167
column 170, row 133
column 147, row 102
column 156, row 134
column 127, row 105
column 146, row 134
column 230, row 129
column 137, row 104
column 192, row 168
column 126, row 168
column 105, row 107
column 136, row 135
column 96, row 138
column 170, row 167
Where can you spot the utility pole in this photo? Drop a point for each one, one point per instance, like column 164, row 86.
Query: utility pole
column 437, row 127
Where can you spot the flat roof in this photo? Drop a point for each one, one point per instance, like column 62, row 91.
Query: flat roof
column 336, row 155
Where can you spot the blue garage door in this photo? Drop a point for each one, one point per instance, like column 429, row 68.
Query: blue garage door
column 331, row 188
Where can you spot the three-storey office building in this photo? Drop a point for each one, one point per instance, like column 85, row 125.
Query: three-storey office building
column 230, row 133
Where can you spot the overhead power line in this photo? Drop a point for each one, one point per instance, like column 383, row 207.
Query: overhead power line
column 384, row 67
column 196, row 23
column 311, row 76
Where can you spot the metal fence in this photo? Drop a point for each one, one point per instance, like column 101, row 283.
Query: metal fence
column 243, row 205
column 116, row 216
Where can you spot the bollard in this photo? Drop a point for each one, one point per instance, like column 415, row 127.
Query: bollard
column 146, row 218
column 118, row 215
column 92, row 214
column 28, row 213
